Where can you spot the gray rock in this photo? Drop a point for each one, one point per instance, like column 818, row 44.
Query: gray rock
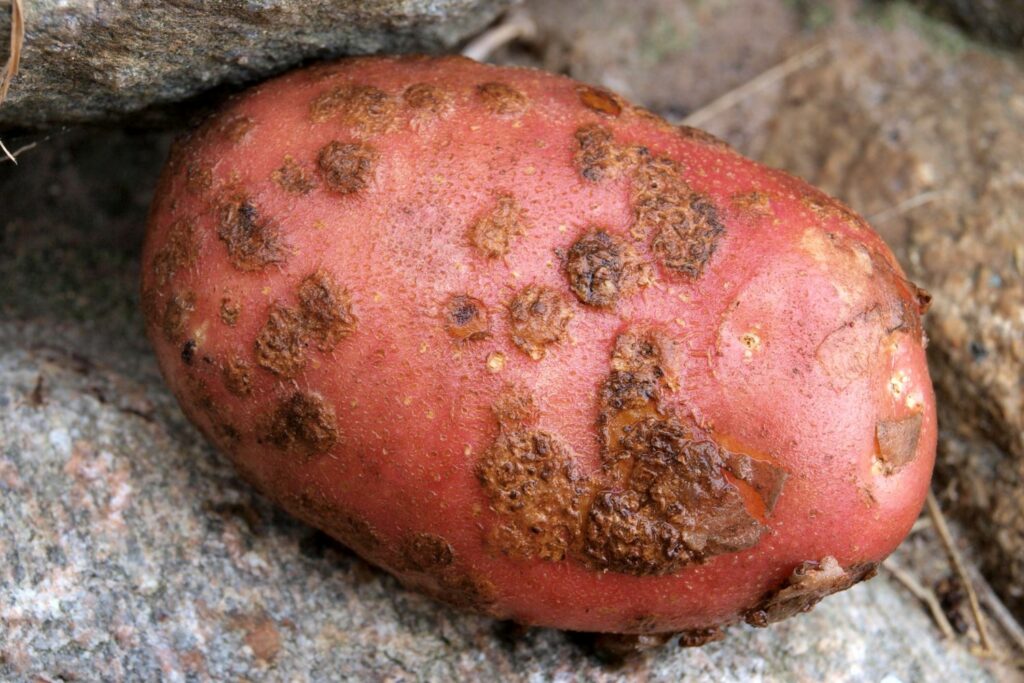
column 926, row 142
column 88, row 61
column 1000, row 21
column 131, row 551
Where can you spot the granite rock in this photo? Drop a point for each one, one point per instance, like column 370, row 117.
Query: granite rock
column 91, row 61
column 131, row 551
column 925, row 140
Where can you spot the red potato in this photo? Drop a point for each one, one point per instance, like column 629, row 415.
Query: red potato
column 537, row 352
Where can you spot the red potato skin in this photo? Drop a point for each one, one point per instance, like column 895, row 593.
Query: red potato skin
column 784, row 348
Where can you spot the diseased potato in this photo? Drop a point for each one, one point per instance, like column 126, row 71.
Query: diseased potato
column 536, row 351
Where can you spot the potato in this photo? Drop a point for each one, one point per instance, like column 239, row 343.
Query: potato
column 537, row 352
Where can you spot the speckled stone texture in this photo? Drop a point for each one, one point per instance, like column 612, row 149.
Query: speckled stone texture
column 131, row 551
column 924, row 137
column 107, row 60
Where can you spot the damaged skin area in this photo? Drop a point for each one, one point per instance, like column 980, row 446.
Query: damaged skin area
column 564, row 364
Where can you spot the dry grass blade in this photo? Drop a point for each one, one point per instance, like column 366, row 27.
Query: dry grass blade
column 17, row 41
column 517, row 25
column 759, row 82
column 998, row 611
column 958, row 565
column 924, row 595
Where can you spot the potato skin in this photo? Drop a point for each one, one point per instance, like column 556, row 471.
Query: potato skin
column 537, row 352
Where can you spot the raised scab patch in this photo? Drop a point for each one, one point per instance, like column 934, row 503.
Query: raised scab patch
column 428, row 99
column 539, row 317
column 685, row 224
column 253, row 241
column 230, row 309
column 678, row 507
column 493, row 232
column 466, row 318
column 303, row 423
column 178, row 252
column 597, row 157
column 897, row 442
column 423, row 552
column 237, row 375
column 281, row 344
column 175, row 315
column 293, row 178
column 599, row 100
column 324, row 317
column 502, row 99
column 236, row 128
column 346, row 167
column 315, row 507
column 326, row 310
column 198, row 178
column 363, row 107
column 602, row 268
column 805, row 587
column 530, row 479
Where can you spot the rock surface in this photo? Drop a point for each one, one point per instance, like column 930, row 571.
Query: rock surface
column 926, row 142
column 90, row 61
column 1001, row 21
column 131, row 551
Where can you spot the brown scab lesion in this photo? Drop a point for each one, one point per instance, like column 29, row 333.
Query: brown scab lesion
column 806, row 586
column 897, row 442
column 466, row 318
column 324, row 317
column 425, row 552
column 346, row 167
column 502, row 99
column 597, row 157
column 198, row 178
column 293, row 178
column 539, row 317
column 175, row 314
column 365, row 108
column 235, row 128
column 493, row 232
column 253, row 241
column 425, row 98
column 237, row 375
column 599, row 100
column 317, row 508
column 530, row 479
column 179, row 251
column 685, row 224
column 230, row 309
column 602, row 268
column 303, row 423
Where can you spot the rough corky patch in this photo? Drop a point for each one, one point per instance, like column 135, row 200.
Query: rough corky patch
column 324, row 317
column 363, row 107
column 179, row 252
column 175, row 314
column 602, row 268
column 326, row 310
column 597, row 156
column 235, row 128
column 532, row 484
column 429, row 99
column 806, row 586
column 466, row 318
column 317, row 509
column 685, row 224
column 677, row 506
column 281, row 344
column 897, row 442
column 703, row 137
column 292, row 177
column 304, row 424
column 502, row 99
column 424, row 552
column 230, row 309
column 493, row 232
column 198, row 178
column 346, row 167
column 540, row 317
column 253, row 242
column 237, row 374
